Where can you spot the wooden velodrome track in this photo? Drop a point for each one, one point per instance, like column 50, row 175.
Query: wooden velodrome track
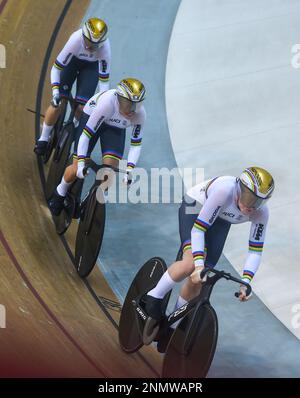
column 57, row 324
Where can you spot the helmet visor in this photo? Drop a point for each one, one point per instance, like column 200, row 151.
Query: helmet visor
column 128, row 106
column 249, row 199
column 91, row 45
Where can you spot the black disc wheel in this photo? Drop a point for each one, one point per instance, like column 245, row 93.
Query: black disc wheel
column 60, row 159
column 90, row 233
column 193, row 344
column 130, row 326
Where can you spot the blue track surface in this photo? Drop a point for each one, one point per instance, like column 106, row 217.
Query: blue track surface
column 252, row 342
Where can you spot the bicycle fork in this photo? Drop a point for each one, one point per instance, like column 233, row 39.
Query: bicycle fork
column 193, row 305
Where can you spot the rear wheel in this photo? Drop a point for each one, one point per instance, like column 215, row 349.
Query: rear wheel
column 193, row 344
column 131, row 326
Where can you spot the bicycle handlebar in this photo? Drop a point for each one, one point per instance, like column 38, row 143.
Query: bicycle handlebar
column 96, row 167
column 226, row 275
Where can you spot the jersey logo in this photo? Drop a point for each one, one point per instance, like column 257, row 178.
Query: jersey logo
column 258, row 231
column 228, row 214
column 211, row 220
column 67, row 58
column 104, row 66
column 99, row 122
column 137, row 131
column 115, row 120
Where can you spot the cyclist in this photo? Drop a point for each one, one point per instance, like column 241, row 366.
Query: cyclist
column 222, row 201
column 85, row 57
column 106, row 116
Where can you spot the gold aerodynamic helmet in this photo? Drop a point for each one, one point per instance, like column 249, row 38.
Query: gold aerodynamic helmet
column 131, row 92
column 256, row 186
column 94, row 32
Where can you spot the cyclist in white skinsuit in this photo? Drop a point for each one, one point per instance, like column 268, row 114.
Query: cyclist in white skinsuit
column 86, row 58
column 222, row 201
column 106, row 117
column 106, row 109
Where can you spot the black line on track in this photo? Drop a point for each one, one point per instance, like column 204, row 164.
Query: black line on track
column 38, row 105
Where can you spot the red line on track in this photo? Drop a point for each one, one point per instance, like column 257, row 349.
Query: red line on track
column 2, row 5
column 42, row 302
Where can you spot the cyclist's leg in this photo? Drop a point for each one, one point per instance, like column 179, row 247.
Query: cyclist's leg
column 56, row 203
column 188, row 213
column 188, row 291
column 87, row 81
column 215, row 239
column 51, row 117
column 70, row 172
column 179, row 270
column 68, row 76
column 112, row 140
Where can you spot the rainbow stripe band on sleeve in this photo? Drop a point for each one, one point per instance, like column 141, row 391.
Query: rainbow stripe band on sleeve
column 88, row 132
column 256, row 246
column 248, row 275
column 75, row 157
column 104, row 77
column 58, row 65
column 136, row 142
column 130, row 165
column 201, row 225
column 199, row 255
column 81, row 100
column 186, row 246
column 55, row 85
column 81, row 159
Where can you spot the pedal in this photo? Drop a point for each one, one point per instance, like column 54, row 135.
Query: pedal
column 149, row 326
column 150, row 331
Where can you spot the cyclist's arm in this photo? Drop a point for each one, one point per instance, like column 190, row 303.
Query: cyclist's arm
column 136, row 141
column 104, row 67
column 256, row 243
column 63, row 59
column 208, row 214
column 102, row 111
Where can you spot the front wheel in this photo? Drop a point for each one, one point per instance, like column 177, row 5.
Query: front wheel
column 59, row 159
column 51, row 145
column 193, row 344
column 90, row 234
column 54, row 135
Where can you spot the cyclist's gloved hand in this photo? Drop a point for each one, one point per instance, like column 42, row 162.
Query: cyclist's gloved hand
column 243, row 293
column 195, row 276
column 55, row 98
column 80, row 169
column 127, row 178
